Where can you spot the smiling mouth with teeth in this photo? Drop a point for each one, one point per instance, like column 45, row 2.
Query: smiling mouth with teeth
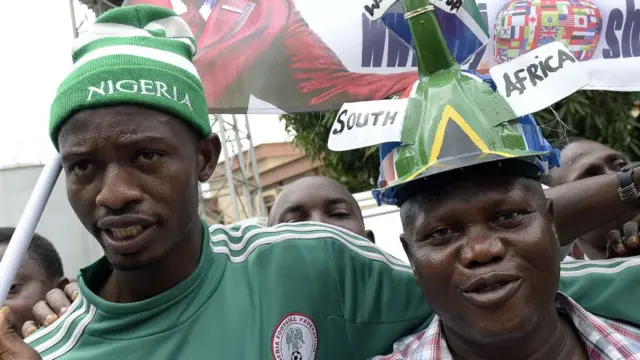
column 489, row 288
column 490, row 285
column 125, row 233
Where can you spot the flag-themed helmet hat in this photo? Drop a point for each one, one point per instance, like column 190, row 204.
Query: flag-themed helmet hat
column 455, row 120
column 465, row 134
column 451, row 120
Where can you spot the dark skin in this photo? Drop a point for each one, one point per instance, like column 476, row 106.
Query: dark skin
column 593, row 200
column 585, row 159
column 30, row 285
column 483, row 229
column 320, row 199
column 129, row 166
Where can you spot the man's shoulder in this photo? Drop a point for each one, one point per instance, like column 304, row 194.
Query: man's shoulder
column 612, row 267
column 418, row 345
column 238, row 242
column 601, row 334
column 301, row 235
column 65, row 332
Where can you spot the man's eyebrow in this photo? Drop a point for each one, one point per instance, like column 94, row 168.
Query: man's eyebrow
column 87, row 148
column 337, row 201
column 137, row 138
column 75, row 152
column 291, row 209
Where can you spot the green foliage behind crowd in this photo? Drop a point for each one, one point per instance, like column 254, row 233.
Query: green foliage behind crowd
column 597, row 115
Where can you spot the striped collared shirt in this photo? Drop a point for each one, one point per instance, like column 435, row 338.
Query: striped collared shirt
column 603, row 339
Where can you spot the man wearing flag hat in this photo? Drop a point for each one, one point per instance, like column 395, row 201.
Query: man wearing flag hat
column 131, row 124
column 479, row 231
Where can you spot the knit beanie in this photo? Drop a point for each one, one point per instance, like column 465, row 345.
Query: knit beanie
column 138, row 54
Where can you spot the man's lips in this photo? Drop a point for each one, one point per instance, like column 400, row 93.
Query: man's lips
column 125, row 234
column 124, row 221
column 125, row 226
column 491, row 289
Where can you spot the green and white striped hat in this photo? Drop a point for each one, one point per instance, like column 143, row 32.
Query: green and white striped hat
column 138, row 54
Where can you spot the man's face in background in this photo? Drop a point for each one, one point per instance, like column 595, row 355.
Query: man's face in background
column 322, row 200
column 582, row 159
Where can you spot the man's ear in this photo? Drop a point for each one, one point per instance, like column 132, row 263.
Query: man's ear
column 550, row 209
column 552, row 220
column 369, row 235
column 208, row 154
column 61, row 283
column 405, row 246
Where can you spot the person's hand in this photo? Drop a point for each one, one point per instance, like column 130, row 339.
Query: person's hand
column 54, row 305
column 11, row 345
column 623, row 244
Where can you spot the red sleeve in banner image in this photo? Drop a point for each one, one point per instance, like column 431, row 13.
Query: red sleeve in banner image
column 322, row 78
column 266, row 49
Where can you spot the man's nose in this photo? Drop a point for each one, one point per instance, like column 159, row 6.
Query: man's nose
column 318, row 216
column 482, row 247
column 119, row 188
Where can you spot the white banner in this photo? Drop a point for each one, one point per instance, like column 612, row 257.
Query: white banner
column 367, row 123
column 266, row 56
column 539, row 78
column 615, row 38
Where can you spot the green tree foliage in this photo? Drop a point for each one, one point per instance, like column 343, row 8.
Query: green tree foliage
column 601, row 116
column 356, row 169
column 597, row 115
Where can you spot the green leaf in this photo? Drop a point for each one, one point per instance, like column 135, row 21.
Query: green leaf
column 356, row 169
column 596, row 115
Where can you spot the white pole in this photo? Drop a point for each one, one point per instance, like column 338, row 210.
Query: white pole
column 21, row 238
column 32, row 213
column 74, row 27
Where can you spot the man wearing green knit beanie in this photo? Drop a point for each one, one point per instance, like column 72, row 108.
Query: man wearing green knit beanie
column 131, row 124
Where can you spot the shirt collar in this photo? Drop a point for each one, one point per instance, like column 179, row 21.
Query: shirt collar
column 603, row 339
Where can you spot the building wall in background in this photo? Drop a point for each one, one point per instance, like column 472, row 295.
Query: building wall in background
column 59, row 223
column 278, row 164
column 385, row 223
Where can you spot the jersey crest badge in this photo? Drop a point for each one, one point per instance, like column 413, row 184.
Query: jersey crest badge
column 294, row 338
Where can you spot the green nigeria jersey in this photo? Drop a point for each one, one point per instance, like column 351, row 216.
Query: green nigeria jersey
column 296, row 291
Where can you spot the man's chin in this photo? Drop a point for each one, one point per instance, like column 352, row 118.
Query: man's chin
column 501, row 325
column 498, row 333
column 132, row 262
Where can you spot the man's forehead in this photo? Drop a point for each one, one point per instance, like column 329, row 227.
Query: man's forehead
column 313, row 196
column 475, row 189
column 585, row 150
column 318, row 187
column 127, row 124
column 117, row 118
column 313, row 192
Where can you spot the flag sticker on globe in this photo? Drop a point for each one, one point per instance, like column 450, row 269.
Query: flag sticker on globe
column 523, row 25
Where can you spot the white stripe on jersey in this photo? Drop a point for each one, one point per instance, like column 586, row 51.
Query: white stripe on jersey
column 319, row 230
column 72, row 311
column 75, row 336
column 297, row 236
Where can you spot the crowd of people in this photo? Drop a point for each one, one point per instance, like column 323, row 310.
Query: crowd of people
column 486, row 279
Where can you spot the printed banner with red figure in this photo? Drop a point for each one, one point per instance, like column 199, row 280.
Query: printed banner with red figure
column 275, row 56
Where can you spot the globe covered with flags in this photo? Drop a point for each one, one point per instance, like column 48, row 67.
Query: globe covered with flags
column 523, row 25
